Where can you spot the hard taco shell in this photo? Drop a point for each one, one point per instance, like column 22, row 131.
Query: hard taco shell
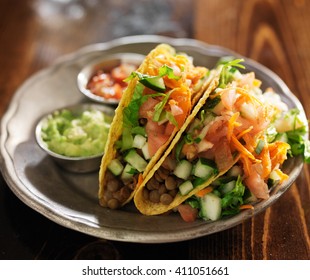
column 116, row 126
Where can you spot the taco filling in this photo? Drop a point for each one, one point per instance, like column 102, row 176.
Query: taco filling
column 155, row 105
column 230, row 153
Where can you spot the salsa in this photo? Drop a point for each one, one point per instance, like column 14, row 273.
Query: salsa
column 110, row 84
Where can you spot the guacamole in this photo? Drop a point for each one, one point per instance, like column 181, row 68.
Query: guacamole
column 76, row 135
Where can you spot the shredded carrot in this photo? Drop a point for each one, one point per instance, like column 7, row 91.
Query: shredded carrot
column 265, row 158
column 246, row 206
column 196, row 74
column 247, row 97
column 231, row 125
column 204, row 191
column 243, row 150
column 250, row 142
column 278, row 152
column 242, row 133
column 266, row 163
column 140, row 180
column 282, row 175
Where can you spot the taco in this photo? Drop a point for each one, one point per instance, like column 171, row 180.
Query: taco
column 226, row 144
column 154, row 107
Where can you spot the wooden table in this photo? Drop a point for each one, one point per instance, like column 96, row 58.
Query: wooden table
column 275, row 33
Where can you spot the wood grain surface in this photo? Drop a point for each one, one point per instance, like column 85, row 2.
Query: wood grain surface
column 35, row 33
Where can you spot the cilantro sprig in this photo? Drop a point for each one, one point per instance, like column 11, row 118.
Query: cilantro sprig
column 230, row 66
column 233, row 199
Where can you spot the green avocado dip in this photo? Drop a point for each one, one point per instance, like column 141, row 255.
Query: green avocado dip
column 76, row 135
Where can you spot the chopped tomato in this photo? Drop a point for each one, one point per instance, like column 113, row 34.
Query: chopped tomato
column 223, row 156
column 256, row 183
column 169, row 128
column 156, row 141
column 122, row 71
column 228, row 98
column 156, row 136
column 179, row 105
column 182, row 98
column 217, row 130
column 110, row 84
column 147, row 108
column 190, row 151
column 188, row 213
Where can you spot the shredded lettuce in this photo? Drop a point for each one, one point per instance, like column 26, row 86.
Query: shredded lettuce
column 233, row 199
column 131, row 112
column 295, row 134
column 160, row 106
column 299, row 145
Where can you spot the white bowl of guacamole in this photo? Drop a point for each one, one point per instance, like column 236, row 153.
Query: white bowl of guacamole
column 75, row 136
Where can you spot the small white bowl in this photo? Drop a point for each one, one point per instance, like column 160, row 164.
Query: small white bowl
column 105, row 63
column 81, row 164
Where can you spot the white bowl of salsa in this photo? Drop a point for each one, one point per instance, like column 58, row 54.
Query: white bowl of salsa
column 102, row 79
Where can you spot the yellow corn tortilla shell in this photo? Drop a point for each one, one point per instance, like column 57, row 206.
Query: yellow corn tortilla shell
column 149, row 208
column 116, row 126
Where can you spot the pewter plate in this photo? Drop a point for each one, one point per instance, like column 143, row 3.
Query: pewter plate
column 71, row 199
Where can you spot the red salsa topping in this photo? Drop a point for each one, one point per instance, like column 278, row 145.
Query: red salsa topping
column 110, row 84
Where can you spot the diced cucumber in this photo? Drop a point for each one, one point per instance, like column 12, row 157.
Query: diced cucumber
column 235, row 171
column 209, row 117
column 145, row 151
column 218, row 108
column 138, row 141
column 260, row 146
column 212, row 103
column 222, row 180
column 227, row 187
column 273, row 179
column 156, row 83
column 115, row 166
column 135, row 160
column 211, row 208
column 249, row 197
column 183, row 169
column 271, row 133
column 127, row 173
column 290, row 121
column 204, row 168
column 282, row 137
column 186, row 187
column 203, row 144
